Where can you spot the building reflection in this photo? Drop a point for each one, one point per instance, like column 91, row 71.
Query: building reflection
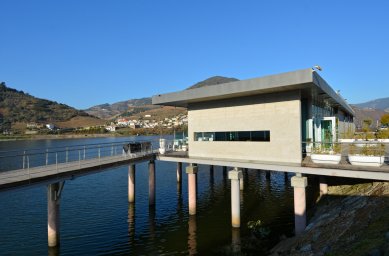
column 235, row 241
column 192, row 239
column 131, row 222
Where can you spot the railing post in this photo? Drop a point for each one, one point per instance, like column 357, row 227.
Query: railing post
column 99, row 153
column 112, row 150
column 79, row 158
column 67, row 154
column 84, row 152
column 56, row 161
column 47, row 156
column 28, row 167
column 24, row 158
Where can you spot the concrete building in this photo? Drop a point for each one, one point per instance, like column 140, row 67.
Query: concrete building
column 262, row 119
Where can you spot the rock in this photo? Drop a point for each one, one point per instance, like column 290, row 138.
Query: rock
column 375, row 252
column 306, row 248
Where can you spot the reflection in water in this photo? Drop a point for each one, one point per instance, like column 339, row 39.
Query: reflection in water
column 53, row 251
column 235, row 241
column 131, row 223
column 192, row 240
column 179, row 198
column 152, row 222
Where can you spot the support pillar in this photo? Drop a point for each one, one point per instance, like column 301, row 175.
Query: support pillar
column 323, row 186
column 151, row 183
column 235, row 175
column 268, row 175
column 131, row 183
column 191, row 170
column 53, row 213
column 300, row 218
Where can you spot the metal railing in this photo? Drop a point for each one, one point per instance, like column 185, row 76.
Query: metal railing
column 348, row 150
column 27, row 159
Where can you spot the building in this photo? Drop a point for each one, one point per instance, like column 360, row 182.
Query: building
column 262, row 119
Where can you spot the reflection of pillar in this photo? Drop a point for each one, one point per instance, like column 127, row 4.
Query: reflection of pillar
column 191, row 170
column 131, row 221
column 131, row 183
column 152, row 222
column 211, row 176
column 267, row 175
column 53, row 213
column 235, row 241
column 53, row 251
column 234, row 176
column 241, row 181
column 192, row 239
column 323, row 186
column 179, row 172
column 179, row 197
column 299, row 184
column 151, row 182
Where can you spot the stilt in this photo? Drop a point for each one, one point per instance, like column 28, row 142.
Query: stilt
column 53, row 213
column 211, row 175
column 268, row 175
column 131, row 221
column 234, row 176
column 323, row 186
column 191, row 170
column 236, row 244
column 151, row 182
column 179, row 172
column 131, row 183
column 299, row 184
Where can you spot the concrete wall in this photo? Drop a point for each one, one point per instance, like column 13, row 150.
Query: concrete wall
column 280, row 113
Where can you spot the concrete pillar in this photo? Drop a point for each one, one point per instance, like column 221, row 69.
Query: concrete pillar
column 131, row 222
column 131, row 183
column 235, row 241
column 191, row 170
column 323, row 186
column 151, row 182
column 53, row 213
column 300, row 219
column 179, row 172
column 211, row 176
column 234, row 176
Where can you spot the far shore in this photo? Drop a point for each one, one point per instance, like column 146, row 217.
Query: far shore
column 66, row 136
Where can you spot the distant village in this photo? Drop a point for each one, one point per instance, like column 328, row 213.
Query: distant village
column 145, row 122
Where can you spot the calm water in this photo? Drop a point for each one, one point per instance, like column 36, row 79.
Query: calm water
column 96, row 218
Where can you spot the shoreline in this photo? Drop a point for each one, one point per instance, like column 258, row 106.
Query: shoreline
column 66, row 136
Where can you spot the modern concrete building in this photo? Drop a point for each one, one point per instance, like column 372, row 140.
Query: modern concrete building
column 262, row 119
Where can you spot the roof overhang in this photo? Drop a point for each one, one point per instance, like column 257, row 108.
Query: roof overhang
column 305, row 79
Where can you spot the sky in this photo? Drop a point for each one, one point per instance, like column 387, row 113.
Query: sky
column 88, row 52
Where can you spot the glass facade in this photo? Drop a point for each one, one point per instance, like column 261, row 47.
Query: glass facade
column 233, row 136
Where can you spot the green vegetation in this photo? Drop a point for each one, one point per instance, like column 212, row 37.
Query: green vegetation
column 385, row 119
column 19, row 107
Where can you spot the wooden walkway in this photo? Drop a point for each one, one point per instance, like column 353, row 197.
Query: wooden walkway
column 57, row 172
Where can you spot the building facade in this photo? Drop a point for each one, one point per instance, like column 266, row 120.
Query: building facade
column 267, row 119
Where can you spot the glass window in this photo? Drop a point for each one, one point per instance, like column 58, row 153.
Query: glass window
column 244, row 136
column 220, row 136
column 233, row 136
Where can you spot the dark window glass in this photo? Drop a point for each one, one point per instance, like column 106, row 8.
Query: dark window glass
column 233, row 136
column 220, row 136
column 244, row 136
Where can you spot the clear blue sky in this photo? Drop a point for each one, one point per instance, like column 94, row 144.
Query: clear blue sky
column 88, row 52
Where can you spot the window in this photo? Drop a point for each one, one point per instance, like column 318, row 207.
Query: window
column 233, row 136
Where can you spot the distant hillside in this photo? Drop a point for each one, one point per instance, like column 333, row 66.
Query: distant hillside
column 365, row 114
column 19, row 107
column 213, row 81
column 126, row 108
column 139, row 107
column 381, row 104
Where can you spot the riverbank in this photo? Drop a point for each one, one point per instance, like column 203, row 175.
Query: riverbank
column 353, row 219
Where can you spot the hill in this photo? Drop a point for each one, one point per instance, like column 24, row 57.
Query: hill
column 139, row 107
column 17, row 107
column 380, row 104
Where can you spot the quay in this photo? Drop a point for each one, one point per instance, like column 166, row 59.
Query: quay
column 267, row 123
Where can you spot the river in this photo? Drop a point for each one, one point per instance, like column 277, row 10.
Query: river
column 96, row 218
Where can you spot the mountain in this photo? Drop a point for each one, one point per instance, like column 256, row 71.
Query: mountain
column 19, row 107
column 366, row 114
column 213, row 81
column 136, row 107
column 128, row 107
column 381, row 104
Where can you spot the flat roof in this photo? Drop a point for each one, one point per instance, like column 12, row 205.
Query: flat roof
column 304, row 79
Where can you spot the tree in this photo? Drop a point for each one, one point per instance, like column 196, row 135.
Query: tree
column 385, row 119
